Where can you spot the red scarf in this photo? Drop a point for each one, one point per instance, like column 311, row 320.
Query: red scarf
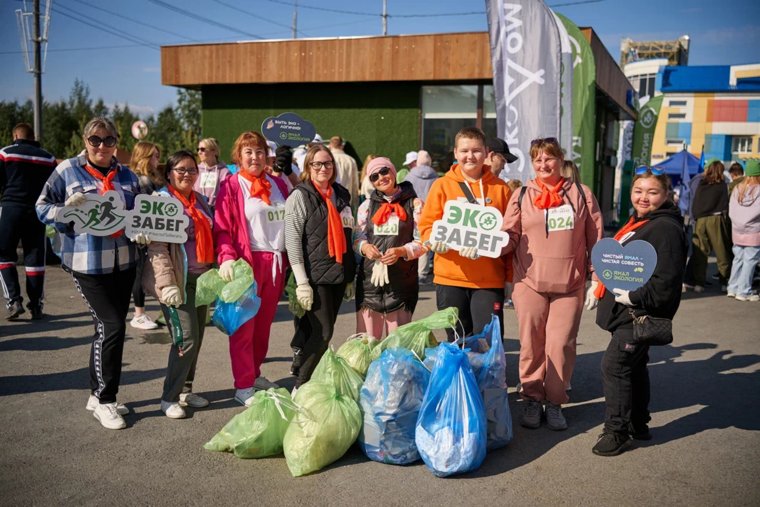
column 629, row 226
column 260, row 185
column 107, row 185
column 549, row 197
column 386, row 210
column 336, row 240
column 204, row 243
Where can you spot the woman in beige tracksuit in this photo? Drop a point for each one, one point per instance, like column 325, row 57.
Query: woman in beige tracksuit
column 553, row 224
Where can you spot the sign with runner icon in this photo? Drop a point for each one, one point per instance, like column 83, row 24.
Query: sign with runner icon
column 98, row 215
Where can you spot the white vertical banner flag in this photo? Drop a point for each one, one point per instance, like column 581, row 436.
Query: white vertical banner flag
column 526, row 60
column 566, row 88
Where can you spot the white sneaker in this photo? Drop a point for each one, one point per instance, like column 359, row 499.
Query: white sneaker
column 244, row 396
column 143, row 322
column 93, row 402
column 172, row 410
column 263, row 383
column 108, row 416
column 731, row 295
column 192, row 400
column 698, row 289
column 748, row 297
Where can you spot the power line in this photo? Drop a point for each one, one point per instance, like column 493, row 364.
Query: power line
column 323, row 9
column 109, row 30
column 63, row 50
column 202, row 19
column 254, row 16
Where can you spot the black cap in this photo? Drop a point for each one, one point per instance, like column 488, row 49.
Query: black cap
column 500, row 147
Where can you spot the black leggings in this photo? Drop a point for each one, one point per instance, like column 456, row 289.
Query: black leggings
column 138, row 294
column 475, row 307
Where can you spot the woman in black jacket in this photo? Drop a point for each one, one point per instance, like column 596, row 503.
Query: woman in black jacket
column 624, row 366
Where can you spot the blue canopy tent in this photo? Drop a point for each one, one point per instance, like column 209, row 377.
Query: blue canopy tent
column 681, row 167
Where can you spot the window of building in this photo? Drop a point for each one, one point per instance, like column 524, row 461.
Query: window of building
column 676, row 116
column 741, row 144
column 677, row 103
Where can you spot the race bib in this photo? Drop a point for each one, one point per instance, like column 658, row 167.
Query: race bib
column 389, row 228
column 275, row 213
column 347, row 218
column 208, row 180
column 561, row 218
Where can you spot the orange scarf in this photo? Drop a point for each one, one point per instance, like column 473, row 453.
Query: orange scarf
column 204, row 243
column 629, row 226
column 260, row 186
column 107, row 185
column 384, row 213
column 336, row 240
column 548, row 198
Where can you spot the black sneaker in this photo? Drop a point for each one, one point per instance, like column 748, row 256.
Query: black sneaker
column 640, row 432
column 611, row 444
column 14, row 309
column 36, row 312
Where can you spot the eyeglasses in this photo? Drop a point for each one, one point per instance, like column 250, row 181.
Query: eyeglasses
column 201, row 149
column 183, row 171
column 382, row 172
column 319, row 165
column 652, row 170
column 96, row 141
column 544, row 140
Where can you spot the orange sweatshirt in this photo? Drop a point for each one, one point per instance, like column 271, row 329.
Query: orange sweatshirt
column 451, row 268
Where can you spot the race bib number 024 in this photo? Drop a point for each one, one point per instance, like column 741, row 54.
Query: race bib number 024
column 466, row 225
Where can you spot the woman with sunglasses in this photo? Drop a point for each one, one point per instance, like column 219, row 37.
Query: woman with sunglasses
column 249, row 225
column 211, row 171
column 656, row 220
column 318, row 227
column 171, row 275
column 103, row 267
column 387, row 286
column 553, row 224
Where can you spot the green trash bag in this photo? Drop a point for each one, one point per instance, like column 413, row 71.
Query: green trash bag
column 259, row 430
column 324, row 427
column 417, row 336
column 336, row 371
column 211, row 286
column 293, row 305
column 357, row 351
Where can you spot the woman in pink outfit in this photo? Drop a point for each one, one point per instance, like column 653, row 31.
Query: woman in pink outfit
column 249, row 224
column 553, row 224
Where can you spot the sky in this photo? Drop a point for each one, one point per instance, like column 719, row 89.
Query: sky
column 113, row 46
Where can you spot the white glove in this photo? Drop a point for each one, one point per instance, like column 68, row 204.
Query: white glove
column 622, row 296
column 170, row 295
column 439, row 247
column 305, row 296
column 348, row 294
column 591, row 300
column 469, row 252
column 225, row 270
column 379, row 276
column 76, row 199
column 142, row 238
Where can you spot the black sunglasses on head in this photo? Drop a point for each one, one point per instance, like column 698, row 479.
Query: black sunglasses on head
column 95, row 141
column 382, row 172
column 544, row 140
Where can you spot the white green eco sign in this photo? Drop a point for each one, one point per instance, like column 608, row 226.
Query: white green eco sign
column 466, row 225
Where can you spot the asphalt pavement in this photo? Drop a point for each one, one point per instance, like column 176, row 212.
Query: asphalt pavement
column 705, row 409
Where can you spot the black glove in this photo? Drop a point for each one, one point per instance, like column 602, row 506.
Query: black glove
column 284, row 160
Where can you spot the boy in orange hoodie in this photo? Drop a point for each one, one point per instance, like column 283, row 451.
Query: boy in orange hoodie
column 463, row 279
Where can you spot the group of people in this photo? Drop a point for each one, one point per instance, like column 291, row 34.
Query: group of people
column 340, row 243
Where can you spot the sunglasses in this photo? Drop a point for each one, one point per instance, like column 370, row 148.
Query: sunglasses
column 652, row 170
column 544, row 140
column 382, row 172
column 96, row 141
column 319, row 165
column 201, row 150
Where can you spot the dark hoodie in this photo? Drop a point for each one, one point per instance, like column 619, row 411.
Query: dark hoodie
column 661, row 295
column 422, row 178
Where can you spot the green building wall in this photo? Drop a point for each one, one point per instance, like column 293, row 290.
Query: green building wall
column 380, row 118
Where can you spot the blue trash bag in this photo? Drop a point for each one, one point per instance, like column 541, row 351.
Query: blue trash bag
column 489, row 364
column 228, row 317
column 390, row 400
column 451, row 428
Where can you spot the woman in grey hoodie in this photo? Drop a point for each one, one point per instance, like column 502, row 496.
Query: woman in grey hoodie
column 744, row 211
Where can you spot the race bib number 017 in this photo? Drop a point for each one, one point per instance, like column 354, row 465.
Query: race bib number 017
column 466, row 225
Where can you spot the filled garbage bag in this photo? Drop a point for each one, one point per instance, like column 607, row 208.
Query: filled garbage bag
column 210, row 285
column 293, row 305
column 228, row 317
column 334, row 370
column 451, row 428
column 324, row 427
column 357, row 351
column 417, row 335
column 489, row 364
column 390, row 401
column 258, row 431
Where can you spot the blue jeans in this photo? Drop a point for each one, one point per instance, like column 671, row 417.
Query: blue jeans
column 743, row 268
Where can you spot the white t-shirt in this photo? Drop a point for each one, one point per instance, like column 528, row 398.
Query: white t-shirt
column 266, row 222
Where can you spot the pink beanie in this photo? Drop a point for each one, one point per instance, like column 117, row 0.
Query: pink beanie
column 378, row 163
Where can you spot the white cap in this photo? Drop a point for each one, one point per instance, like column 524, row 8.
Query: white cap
column 317, row 139
column 410, row 157
column 272, row 148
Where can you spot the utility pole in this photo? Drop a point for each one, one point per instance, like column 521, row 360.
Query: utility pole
column 33, row 27
column 37, row 73
column 295, row 20
column 385, row 17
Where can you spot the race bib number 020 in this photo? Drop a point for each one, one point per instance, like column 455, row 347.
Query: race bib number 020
column 389, row 228
column 466, row 225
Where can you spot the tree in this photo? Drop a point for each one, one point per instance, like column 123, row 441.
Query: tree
column 188, row 111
